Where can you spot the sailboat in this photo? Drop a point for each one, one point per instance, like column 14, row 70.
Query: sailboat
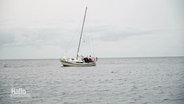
column 79, row 61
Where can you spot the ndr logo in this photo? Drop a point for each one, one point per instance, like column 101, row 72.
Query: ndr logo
column 18, row 92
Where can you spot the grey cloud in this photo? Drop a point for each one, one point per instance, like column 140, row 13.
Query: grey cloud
column 109, row 33
column 35, row 37
column 6, row 38
column 115, row 35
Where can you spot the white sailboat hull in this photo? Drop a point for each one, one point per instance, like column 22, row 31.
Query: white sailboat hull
column 67, row 63
column 79, row 61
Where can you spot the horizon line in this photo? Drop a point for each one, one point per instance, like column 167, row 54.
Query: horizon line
column 97, row 57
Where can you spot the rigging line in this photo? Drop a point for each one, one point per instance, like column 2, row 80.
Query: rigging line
column 69, row 44
column 92, row 45
column 89, row 47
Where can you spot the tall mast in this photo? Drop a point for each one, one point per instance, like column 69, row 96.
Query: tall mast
column 81, row 32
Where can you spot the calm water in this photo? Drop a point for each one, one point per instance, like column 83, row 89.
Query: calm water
column 112, row 81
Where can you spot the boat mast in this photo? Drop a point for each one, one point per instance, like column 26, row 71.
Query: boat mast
column 81, row 32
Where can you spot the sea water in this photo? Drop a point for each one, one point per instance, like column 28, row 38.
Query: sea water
column 112, row 81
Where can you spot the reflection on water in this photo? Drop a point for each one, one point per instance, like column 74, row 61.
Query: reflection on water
column 112, row 81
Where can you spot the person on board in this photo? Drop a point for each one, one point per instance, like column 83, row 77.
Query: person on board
column 86, row 59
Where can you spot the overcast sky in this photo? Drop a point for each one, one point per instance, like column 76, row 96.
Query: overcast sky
column 113, row 28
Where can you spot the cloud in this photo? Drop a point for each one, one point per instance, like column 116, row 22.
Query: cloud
column 159, row 43
column 34, row 41
column 33, row 37
column 6, row 38
column 119, row 34
column 110, row 33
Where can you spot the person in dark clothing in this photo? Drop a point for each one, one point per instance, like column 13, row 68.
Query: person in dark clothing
column 86, row 60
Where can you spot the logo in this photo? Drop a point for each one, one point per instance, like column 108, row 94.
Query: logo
column 19, row 92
